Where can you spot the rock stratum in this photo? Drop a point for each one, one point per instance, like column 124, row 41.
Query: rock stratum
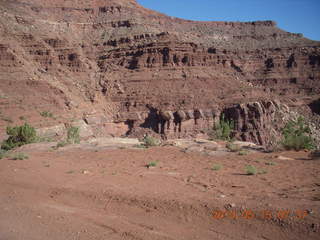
column 123, row 69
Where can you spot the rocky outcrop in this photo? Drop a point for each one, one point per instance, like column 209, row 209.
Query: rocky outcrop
column 255, row 122
column 258, row 122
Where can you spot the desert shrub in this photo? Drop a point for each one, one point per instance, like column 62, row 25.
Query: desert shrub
column 233, row 147
column 216, row 167
column 297, row 136
column 150, row 141
column 19, row 156
column 46, row 114
column 243, row 152
column 73, row 135
column 223, row 129
column 18, row 136
column 152, row 164
column 251, row 170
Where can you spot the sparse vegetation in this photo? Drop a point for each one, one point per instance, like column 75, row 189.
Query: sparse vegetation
column 270, row 163
column 150, row 141
column 18, row 136
column 46, row 114
column 222, row 130
column 251, row 170
column 73, row 135
column 216, row 167
column 140, row 146
column 297, row 136
column 19, row 156
column 152, row 164
column 243, row 152
column 233, row 147
column 22, row 118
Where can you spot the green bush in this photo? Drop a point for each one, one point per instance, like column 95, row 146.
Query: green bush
column 73, row 136
column 223, row 129
column 18, row 136
column 150, row 141
column 152, row 164
column 297, row 136
column 251, row 170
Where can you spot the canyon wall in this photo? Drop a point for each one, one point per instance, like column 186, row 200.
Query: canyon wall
column 119, row 64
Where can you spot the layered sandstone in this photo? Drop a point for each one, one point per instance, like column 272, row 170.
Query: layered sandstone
column 121, row 63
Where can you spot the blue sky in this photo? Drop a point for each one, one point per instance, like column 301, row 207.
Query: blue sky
column 297, row 16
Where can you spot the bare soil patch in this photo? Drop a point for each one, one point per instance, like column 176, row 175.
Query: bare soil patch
column 110, row 194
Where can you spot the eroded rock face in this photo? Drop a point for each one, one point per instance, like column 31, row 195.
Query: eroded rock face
column 128, row 62
column 254, row 122
column 258, row 122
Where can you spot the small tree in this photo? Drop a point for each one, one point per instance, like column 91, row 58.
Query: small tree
column 223, row 129
column 297, row 136
column 18, row 136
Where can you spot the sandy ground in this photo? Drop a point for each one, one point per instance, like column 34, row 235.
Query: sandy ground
column 111, row 194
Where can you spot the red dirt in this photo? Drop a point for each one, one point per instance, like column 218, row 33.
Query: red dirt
column 110, row 194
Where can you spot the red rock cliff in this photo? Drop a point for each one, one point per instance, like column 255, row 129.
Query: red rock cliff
column 123, row 60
